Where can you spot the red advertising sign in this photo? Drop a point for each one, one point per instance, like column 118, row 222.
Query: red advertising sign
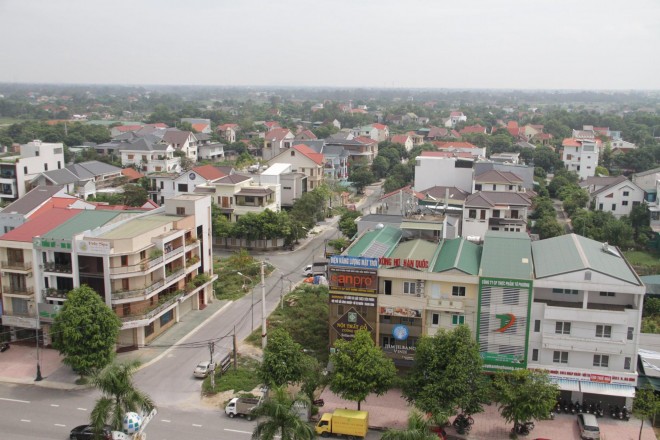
column 353, row 281
column 600, row 378
column 403, row 262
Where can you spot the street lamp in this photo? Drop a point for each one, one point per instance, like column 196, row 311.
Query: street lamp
column 39, row 377
column 264, row 335
column 252, row 295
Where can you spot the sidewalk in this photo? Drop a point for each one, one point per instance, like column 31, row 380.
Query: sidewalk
column 19, row 363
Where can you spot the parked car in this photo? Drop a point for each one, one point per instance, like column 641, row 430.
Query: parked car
column 588, row 426
column 203, row 369
column 86, row 432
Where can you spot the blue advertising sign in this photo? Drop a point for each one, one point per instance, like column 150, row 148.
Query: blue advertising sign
column 355, row 262
column 400, row 332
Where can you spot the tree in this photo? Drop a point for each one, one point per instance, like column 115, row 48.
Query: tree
column 85, row 331
column 523, row 395
column 548, row 227
column 645, row 406
column 360, row 368
column 119, row 395
column 547, row 159
column 418, row 429
column 362, row 177
column 347, row 224
column 281, row 419
column 283, row 361
column 447, row 374
column 135, row 195
column 380, row 166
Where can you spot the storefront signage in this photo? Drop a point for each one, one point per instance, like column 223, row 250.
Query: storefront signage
column 134, row 324
column 47, row 312
column 350, row 323
column 400, row 311
column 19, row 321
column 354, row 262
column 585, row 376
column 403, row 262
column 94, row 246
column 400, row 332
column 600, row 378
column 352, row 300
column 353, row 281
column 403, row 350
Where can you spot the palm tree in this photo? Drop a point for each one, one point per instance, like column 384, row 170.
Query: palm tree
column 418, row 429
column 281, row 418
column 119, row 395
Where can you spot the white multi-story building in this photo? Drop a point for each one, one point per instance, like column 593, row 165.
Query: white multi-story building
column 16, row 172
column 150, row 157
column 617, row 195
column 581, row 156
column 443, row 169
column 585, row 318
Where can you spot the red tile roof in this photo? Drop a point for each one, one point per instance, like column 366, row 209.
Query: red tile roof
column 305, row 150
column 473, row 129
column 277, row 134
column 570, row 142
column 446, row 154
column 456, row 114
column 453, row 144
column 272, row 124
column 366, row 140
column 224, row 127
column 406, row 190
column 41, row 224
column 359, row 110
column 55, row 202
column 125, row 128
column 379, row 126
column 400, row 139
column 131, row 173
column 209, row 172
column 199, row 127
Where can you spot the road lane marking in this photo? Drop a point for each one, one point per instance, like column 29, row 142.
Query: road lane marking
column 56, row 406
column 166, row 421
column 82, row 409
column 240, row 432
column 24, row 420
column 14, row 400
column 59, row 424
column 196, row 425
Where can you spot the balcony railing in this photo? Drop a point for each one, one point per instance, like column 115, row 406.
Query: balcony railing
column 54, row 293
column 174, row 252
column 121, row 294
column 140, row 267
column 24, row 291
column 51, row 266
column 17, row 265
column 174, row 275
column 150, row 312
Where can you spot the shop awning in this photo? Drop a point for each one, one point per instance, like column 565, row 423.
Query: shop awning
column 609, row 389
column 566, row 384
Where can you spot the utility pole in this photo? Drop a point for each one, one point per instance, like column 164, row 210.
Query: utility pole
column 264, row 336
column 235, row 349
column 211, row 366
column 281, row 292
column 39, row 377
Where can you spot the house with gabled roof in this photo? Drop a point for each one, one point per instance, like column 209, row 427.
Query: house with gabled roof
column 184, row 141
column 617, row 195
column 228, row 132
column 462, row 147
column 276, row 141
column 404, row 140
column 494, row 211
column 399, row 202
column 495, row 180
column 82, row 179
column 580, row 154
column 305, row 135
column 149, row 156
column 454, row 118
column 200, row 125
column 167, row 185
column 472, row 129
column 303, row 160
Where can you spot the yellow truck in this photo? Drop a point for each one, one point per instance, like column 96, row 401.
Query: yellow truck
column 347, row 422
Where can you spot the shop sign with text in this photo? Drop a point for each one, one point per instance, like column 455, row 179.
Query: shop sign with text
column 353, row 281
column 354, row 262
column 350, row 323
column 352, row 300
column 403, row 262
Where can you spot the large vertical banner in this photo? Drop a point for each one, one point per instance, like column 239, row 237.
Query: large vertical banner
column 503, row 322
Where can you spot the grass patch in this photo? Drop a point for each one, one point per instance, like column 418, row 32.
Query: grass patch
column 645, row 263
column 232, row 286
column 305, row 318
column 244, row 378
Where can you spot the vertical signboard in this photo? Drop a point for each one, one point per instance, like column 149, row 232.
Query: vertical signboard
column 503, row 322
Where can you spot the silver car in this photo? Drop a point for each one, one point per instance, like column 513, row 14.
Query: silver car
column 203, row 369
column 588, row 426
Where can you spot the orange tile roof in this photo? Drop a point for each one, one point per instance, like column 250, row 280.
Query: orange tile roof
column 55, row 202
column 451, row 144
column 209, row 172
column 570, row 142
column 304, row 149
column 131, row 173
column 124, row 128
column 41, row 224
column 446, row 154
column 199, row 127
column 365, row 140
column 379, row 126
column 400, row 139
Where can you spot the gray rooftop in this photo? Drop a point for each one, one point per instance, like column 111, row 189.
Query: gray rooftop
column 32, row 200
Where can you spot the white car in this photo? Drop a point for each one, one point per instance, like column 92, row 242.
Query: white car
column 203, row 369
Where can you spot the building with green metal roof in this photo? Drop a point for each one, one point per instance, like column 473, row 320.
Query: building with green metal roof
column 458, row 254
column 376, row 243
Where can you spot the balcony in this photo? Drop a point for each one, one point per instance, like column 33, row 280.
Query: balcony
column 23, row 320
column 446, row 304
column 52, row 293
column 135, row 293
column 174, row 275
column 143, row 266
column 23, row 266
column 174, row 252
column 18, row 291
column 51, row 266
column 149, row 312
column 552, row 341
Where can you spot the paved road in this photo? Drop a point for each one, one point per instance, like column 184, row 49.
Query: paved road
column 30, row 412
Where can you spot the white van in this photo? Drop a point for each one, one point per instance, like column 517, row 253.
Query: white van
column 588, row 426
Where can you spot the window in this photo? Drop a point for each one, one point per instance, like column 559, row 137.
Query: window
column 565, row 291
column 496, row 213
column 126, row 309
column 626, row 193
column 494, row 187
column 607, row 294
column 510, row 187
column 409, row 287
column 435, row 319
column 472, row 213
column 388, row 287
column 25, row 170
column 560, row 357
column 613, row 206
column 149, row 330
column 626, row 363
column 603, row 331
column 457, row 319
column 124, row 260
column 624, row 203
column 59, row 164
column 180, row 211
column 535, row 354
column 182, row 187
column 600, row 206
column 563, row 328
column 477, row 187
column 537, row 326
column 143, row 255
column 458, row 290
column 483, row 214
column 631, row 330
column 601, row 360
column 388, row 340
column 45, row 167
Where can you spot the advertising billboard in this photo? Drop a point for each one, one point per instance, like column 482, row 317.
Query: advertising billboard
column 503, row 322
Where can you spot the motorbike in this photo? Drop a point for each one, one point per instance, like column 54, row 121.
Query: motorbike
column 599, row 410
column 625, row 415
column 318, row 402
column 4, row 347
column 613, row 410
column 558, row 407
column 590, row 407
column 463, row 423
column 522, row 428
column 578, row 408
column 568, row 407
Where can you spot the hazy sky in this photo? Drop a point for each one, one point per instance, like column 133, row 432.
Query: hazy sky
column 528, row 44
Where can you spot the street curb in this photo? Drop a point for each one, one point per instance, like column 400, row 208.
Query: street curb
column 44, row 383
column 180, row 341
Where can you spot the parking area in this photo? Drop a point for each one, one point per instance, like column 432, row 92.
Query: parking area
column 391, row 411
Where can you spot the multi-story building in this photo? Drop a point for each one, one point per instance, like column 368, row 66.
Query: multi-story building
column 16, row 172
column 276, row 141
column 586, row 318
column 581, row 155
column 150, row 157
column 441, row 169
column 494, row 211
column 167, row 185
column 304, row 160
column 617, row 195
